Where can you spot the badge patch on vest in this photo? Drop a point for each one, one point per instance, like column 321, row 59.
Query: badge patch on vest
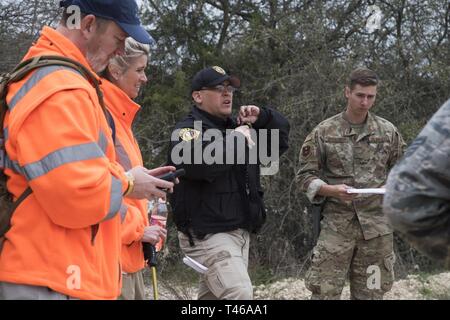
column 219, row 70
column 188, row 134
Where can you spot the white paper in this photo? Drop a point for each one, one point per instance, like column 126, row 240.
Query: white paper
column 368, row 191
column 194, row 265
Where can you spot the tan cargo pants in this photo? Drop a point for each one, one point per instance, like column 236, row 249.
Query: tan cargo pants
column 226, row 256
column 133, row 287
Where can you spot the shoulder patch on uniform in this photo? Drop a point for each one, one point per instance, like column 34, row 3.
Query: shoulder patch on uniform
column 188, row 134
column 306, row 151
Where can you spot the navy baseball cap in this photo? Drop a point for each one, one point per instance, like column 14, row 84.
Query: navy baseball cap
column 123, row 12
column 212, row 76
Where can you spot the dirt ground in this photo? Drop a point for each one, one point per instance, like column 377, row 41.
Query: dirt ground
column 414, row 287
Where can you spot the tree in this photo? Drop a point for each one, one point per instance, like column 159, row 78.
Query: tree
column 20, row 22
column 295, row 56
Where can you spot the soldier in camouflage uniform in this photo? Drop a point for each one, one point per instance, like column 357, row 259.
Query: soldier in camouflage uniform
column 354, row 149
column 417, row 200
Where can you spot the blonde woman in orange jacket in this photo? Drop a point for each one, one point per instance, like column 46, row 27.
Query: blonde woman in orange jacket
column 125, row 76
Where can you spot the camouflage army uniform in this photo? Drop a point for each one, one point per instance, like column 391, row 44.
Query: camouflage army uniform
column 354, row 236
column 417, row 200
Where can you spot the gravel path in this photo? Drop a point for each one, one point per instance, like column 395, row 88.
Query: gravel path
column 414, row 287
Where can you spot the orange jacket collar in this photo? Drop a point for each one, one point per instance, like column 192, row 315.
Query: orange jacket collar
column 121, row 105
column 52, row 41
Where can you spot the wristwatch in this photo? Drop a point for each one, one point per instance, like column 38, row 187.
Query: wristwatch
column 130, row 179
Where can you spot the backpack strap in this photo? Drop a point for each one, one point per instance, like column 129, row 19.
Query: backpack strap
column 111, row 124
column 19, row 200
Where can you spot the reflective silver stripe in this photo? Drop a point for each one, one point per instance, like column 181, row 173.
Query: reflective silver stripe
column 122, row 156
column 61, row 157
column 123, row 212
column 33, row 80
column 115, row 201
column 102, row 141
column 13, row 165
column 6, row 134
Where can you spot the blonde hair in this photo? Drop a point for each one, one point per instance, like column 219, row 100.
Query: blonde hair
column 133, row 50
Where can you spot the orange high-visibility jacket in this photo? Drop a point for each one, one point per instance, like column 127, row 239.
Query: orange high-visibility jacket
column 123, row 111
column 66, row 234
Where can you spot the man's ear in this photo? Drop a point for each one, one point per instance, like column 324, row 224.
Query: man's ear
column 347, row 92
column 88, row 26
column 197, row 97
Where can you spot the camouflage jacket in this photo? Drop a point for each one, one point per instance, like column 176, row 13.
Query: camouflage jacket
column 417, row 200
column 333, row 153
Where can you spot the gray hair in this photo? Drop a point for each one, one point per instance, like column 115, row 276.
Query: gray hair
column 133, row 49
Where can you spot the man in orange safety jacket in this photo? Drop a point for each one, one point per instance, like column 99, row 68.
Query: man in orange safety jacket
column 64, row 240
